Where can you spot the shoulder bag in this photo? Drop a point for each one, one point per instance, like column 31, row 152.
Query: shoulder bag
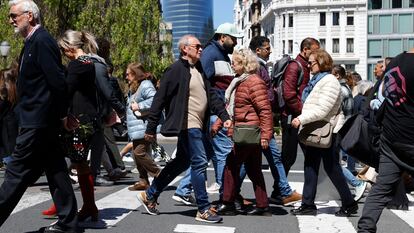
column 316, row 134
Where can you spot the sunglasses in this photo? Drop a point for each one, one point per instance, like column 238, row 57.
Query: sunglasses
column 15, row 15
column 311, row 63
column 196, row 46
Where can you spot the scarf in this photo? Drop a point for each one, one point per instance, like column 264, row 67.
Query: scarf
column 311, row 85
column 231, row 93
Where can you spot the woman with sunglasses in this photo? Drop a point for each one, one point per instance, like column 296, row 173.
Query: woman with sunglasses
column 321, row 101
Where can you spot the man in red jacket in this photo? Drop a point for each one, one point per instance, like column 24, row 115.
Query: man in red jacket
column 292, row 95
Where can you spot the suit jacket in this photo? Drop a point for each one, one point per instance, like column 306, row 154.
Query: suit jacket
column 41, row 84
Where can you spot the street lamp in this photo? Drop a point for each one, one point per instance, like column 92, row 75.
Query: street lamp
column 4, row 50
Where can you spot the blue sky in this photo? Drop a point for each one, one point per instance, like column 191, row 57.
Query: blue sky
column 222, row 11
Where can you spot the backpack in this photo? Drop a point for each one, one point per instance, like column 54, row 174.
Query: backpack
column 278, row 72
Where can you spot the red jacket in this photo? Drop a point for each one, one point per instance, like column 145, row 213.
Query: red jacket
column 292, row 97
column 252, row 106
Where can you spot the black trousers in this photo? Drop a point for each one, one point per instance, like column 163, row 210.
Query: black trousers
column 36, row 152
column 289, row 144
column 382, row 191
column 112, row 148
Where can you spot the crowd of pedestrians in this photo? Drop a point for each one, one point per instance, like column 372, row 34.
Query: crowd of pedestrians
column 220, row 108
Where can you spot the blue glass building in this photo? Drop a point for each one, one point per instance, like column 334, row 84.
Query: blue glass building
column 189, row 17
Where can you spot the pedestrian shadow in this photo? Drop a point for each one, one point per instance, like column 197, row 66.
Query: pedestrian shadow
column 188, row 213
column 105, row 215
column 276, row 210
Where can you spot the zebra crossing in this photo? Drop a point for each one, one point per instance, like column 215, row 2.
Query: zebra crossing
column 121, row 212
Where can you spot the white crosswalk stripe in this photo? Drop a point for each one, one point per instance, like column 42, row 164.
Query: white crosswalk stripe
column 188, row 228
column 30, row 199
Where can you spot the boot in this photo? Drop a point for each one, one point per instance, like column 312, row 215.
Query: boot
column 51, row 211
column 89, row 208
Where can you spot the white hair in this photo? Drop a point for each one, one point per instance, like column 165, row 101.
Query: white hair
column 27, row 6
column 184, row 40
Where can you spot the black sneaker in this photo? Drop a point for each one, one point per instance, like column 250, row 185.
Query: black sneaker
column 276, row 199
column 149, row 205
column 347, row 210
column 209, row 216
column 186, row 200
column 99, row 181
column 304, row 210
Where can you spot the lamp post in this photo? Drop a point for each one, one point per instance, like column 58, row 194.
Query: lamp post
column 4, row 51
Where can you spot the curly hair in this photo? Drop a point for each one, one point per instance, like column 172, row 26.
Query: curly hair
column 247, row 59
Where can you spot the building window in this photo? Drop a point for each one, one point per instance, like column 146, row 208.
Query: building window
column 385, row 24
column 396, row 3
column 394, row 47
column 405, row 23
column 290, row 20
column 335, row 18
column 350, row 67
column 349, row 45
column 349, row 18
column 335, row 45
column 375, row 4
column 374, row 49
column 322, row 43
column 284, row 21
column 370, row 24
column 283, row 47
column 290, row 48
column 411, row 3
column 322, row 19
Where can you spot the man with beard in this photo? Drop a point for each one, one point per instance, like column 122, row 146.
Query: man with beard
column 41, row 91
column 216, row 65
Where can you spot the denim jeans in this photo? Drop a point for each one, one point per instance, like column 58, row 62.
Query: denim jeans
column 190, row 151
column 274, row 159
column 222, row 146
column 350, row 178
column 185, row 187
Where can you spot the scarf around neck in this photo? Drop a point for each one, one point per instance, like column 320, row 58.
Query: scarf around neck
column 231, row 93
column 311, row 84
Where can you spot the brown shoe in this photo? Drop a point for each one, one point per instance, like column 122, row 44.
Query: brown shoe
column 291, row 199
column 138, row 186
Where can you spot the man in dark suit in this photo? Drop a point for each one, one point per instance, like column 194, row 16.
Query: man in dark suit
column 41, row 91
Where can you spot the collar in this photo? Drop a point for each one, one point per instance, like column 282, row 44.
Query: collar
column 32, row 32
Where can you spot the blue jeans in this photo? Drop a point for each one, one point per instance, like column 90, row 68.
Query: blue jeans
column 190, row 151
column 185, row 187
column 274, row 159
column 350, row 178
column 222, row 146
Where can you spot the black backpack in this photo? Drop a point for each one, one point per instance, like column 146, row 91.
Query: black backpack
column 278, row 76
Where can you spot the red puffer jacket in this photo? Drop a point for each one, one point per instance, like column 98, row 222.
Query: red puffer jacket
column 252, row 106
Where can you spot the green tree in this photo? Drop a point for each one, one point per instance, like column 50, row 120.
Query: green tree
column 131, row 26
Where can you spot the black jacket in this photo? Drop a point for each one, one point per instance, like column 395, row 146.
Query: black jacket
column 41, row 84
column 173, row 97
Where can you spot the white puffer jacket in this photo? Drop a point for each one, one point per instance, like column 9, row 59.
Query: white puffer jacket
column 323, row 102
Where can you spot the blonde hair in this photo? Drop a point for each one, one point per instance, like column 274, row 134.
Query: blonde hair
column 79, row 39
column 247, row 59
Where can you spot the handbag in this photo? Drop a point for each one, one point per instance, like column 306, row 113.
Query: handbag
column 76, row 143
column 246, row 135
column 361, row 140
column 316, row 134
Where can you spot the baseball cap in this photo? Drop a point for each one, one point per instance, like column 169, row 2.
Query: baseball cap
column 228, row 29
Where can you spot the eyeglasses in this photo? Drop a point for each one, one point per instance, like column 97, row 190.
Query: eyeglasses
column 14, row 16
column 266, row 48
column 311, row 63
column 196, row 46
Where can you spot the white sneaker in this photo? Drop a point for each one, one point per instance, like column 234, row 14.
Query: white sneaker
column 135, row 171
column 158, row 159
column 359, row 190
column 214, row 188
column 127, row 159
